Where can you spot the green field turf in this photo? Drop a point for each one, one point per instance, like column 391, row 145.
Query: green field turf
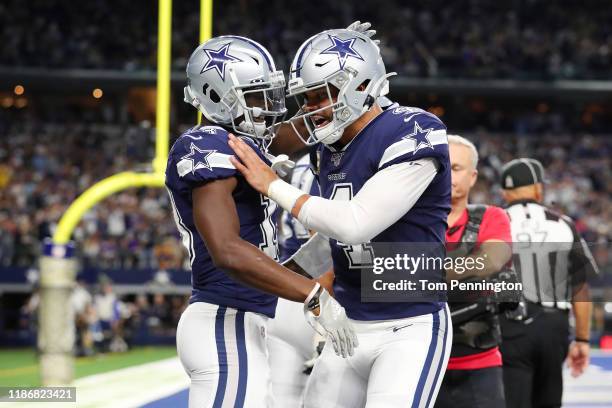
column 19, row 367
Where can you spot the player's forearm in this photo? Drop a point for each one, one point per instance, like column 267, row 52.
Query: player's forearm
column 250, row 266
column 582, row 309
column 327, row 280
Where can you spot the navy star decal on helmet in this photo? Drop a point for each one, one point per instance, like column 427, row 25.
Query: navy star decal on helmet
column 346, row 60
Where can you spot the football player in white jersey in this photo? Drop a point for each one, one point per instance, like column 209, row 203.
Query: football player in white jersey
column 292, row 343
column 384, row 177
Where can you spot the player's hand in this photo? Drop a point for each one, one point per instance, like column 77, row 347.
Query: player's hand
column 257, row 173
column 363, row 28
column 333, row 321
column 578, row 358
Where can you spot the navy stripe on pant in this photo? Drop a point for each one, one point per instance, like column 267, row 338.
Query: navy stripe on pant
column 243, row 364
column 427, row 366
column 441, row 362
column 221, row 356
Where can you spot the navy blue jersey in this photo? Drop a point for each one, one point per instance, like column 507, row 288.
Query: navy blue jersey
column 198, row 156
column 399, row 134
column 292, row 233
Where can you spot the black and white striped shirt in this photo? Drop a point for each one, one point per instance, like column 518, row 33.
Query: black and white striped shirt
column 550, row 257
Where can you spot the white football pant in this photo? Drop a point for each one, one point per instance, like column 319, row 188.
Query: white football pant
column 223, row 350
column 399, row 363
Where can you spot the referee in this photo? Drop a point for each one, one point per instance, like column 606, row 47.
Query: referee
column 553, row 263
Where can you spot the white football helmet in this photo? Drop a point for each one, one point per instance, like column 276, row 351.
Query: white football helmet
column 233, row 81
column 349, row 61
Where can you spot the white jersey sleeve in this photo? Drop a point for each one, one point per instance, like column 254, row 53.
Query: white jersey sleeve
column 382, row 200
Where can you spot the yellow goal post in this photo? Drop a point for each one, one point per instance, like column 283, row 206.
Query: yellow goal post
column 57, row 264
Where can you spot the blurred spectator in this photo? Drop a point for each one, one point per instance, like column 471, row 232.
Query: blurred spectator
column 178, row 305
column 81, row 301
column 168, row 253
column 28, row 314
column 110, row 313
column 160, row 316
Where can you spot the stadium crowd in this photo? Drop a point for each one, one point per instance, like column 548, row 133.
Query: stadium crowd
column 535, row 39
column 44, row 166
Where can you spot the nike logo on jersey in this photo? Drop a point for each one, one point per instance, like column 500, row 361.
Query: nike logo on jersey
column 398, row 328
column 194, row 137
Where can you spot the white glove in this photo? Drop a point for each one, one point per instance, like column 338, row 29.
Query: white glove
column 281, row 164
column 363, row 28
column 331, row 321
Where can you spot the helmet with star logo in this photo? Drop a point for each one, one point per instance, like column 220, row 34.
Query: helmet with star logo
column 344, row 65
column 233, row 81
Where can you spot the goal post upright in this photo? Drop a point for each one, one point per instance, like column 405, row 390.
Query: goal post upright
column 58, row 265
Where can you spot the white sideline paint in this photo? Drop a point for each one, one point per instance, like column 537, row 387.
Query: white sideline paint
column 124, row 388
column 593, row 387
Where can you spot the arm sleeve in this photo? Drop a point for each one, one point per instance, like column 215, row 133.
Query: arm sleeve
column 382, row 200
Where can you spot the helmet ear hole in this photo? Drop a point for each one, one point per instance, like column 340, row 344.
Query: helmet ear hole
column 362, row 86
column 204, row 88
column 214, row 96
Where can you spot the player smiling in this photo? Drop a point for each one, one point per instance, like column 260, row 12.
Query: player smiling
column 384, row 177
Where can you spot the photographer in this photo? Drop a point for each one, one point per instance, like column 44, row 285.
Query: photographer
column 474, row 375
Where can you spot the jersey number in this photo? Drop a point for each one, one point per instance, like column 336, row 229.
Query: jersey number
column 358, row 256
column 269, row 245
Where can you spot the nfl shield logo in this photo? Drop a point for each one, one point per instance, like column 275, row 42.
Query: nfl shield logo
column 336, row 157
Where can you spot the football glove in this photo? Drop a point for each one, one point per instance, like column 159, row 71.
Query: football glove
column 363, row 28
column 331, row 321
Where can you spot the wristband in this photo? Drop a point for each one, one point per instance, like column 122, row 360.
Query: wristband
column 312, row 300
column 581, row 340
column 284, row 194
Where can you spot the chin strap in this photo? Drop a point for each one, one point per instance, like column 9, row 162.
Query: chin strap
column 256, row 129
column 280, row 164
column 328, row 137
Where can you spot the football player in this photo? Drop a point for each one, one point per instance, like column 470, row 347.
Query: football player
column 227, row 229
column 292, row 343
column 384, row 177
